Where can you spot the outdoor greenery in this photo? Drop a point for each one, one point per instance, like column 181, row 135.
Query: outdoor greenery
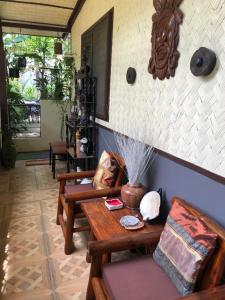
column 52, row 74
column 46, row 76
column 17, row 114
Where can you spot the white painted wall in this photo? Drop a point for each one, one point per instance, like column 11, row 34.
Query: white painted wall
column 50, row 129
column 185, row 115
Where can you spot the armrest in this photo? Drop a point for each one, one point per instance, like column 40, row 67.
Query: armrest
column 212, row 294
column 124, row 243
column 92, row 194
column 75, row 175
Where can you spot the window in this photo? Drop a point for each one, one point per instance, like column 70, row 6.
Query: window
column 97, row 42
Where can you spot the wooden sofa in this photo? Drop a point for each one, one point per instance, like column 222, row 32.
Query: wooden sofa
column 71, row 196
column 141, row 278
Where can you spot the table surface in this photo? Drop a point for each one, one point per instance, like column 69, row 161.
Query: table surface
column 105, row 223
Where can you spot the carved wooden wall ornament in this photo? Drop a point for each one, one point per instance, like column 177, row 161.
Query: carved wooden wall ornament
column 165, row 38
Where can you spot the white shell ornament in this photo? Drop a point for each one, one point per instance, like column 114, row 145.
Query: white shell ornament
column 150, row 204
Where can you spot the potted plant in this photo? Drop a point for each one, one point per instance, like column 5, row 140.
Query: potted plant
column 8, row 150
column 137, row 157
column 61, row 82
column 22, row 62
column 14, row 72
column 69, row 60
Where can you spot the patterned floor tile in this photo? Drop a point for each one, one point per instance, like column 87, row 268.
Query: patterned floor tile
column 73, row 292
column 31, row 295
column 26, row 209
column 5, row 211
column 21, row 197
column 4, row 187
column 5, row 198
column 49, row 206
column 4, row 225
column 50, row 222
column 66, row 269
column 50, row 193
column 32, row 260
column 46, row 185
column 22, row 186
column 23, row 246
column 25, row 225
column 56, row 241
column 23, row 277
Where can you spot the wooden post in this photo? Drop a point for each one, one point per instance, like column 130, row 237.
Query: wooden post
column 3, row 97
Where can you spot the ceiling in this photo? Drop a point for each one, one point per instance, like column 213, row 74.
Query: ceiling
column 39, row 17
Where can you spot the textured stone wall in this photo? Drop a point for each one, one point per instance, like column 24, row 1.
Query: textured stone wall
column 185, row 115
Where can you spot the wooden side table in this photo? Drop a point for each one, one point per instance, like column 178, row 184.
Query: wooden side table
column 105, row 223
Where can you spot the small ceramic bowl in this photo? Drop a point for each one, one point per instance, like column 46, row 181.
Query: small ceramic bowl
column 129, row 221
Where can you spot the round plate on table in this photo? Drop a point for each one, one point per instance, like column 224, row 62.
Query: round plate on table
column 135, row 227
column 128, row 221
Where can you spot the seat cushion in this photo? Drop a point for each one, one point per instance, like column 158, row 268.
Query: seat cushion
column 78, row 188
column 57, row 143
column 184, row 248
column 59, row 149
column 139, row 278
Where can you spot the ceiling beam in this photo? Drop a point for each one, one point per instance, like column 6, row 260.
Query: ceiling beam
column 43, row 26
column 38, row 4
column 73, row 16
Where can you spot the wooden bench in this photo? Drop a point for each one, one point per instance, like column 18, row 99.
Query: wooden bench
column 208, row 285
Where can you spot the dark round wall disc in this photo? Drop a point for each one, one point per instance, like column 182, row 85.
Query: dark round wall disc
column 131, row 75
column 203, row 62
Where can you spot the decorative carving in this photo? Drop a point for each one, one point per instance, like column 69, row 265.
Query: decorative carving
column 165, row 38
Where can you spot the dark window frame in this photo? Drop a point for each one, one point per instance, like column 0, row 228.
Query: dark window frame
column 107, row 68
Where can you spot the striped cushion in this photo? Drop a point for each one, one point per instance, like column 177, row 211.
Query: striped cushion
column 184, row 246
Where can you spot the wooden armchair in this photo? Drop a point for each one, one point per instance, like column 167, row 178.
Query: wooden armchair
column 71, row 196
column 57, row 148
column 141, row 278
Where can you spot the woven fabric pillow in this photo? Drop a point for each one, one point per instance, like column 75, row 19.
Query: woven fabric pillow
column 184, row 247
column 106, row 173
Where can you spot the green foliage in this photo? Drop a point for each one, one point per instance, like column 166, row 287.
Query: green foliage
column 42, row 86
column 51, row 83
column 30, row 92
column 17, row 113
column 61, row 82
column 37, row 48
column 14, row 95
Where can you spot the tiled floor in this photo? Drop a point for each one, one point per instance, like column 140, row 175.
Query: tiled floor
column 32, row 261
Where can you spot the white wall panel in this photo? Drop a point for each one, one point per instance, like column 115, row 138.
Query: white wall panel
column 185, row 115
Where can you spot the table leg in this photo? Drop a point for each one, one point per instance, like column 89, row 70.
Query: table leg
column 91, row 238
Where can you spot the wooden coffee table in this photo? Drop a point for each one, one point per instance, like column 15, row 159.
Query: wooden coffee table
column 105, row 223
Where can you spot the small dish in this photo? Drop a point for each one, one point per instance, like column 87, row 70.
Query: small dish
column 135, row 227
column 128, row 221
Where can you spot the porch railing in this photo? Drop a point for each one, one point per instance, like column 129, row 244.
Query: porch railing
column 25, row 120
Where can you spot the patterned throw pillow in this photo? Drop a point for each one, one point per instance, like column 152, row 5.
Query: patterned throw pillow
column 106, row 173
column 184, row 248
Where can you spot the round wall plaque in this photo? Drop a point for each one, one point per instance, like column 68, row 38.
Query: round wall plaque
column 203, row 62
column 131, row 75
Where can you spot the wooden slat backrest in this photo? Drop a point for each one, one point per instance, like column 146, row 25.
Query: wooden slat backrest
column 121, row 164
column 213, row 273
